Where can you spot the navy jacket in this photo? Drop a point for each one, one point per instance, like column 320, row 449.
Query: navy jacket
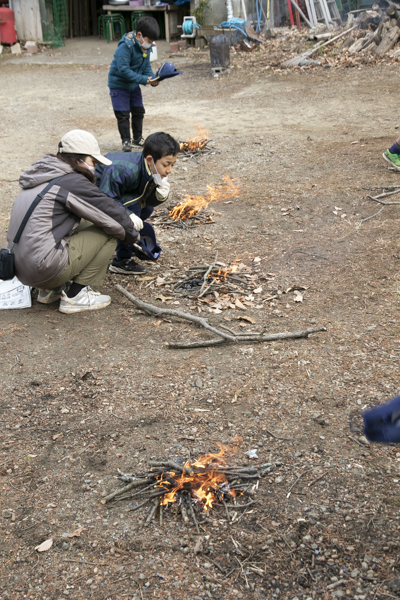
column 128, row 180
column 130, row 66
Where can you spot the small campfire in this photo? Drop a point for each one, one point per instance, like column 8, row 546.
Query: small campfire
column 220, row 277
column 197, row 146
column 192, row 205
column 195, row 487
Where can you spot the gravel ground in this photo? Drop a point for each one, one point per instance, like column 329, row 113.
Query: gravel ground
column 84, row 396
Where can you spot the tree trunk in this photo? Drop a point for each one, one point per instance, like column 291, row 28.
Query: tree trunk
column 388, row 41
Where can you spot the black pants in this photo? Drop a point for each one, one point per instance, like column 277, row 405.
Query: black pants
column 137, row 114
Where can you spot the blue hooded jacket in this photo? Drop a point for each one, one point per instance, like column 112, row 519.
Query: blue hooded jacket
column 128, row 180
column 130, row 66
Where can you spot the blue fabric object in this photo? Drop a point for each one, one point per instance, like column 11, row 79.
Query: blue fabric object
column 150, row 250
column 166, row 71
column 395, row 149
column 382, row 423
column 130, row 66
column 235, row 23
column 128, row 180
column 125, row 250
column 181, row 2
column 123, row 100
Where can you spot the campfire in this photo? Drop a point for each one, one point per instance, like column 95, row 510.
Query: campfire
column 192, row 205
column 197, row 146
column 222, row 278
column 195, row 487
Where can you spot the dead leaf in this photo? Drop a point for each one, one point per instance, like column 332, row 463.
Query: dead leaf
column 44, row 546
column 198, row 546
column 293, row 288
column 77, row 532
column 247, row 303
column 160, row 281
column 257, row 290
column 55, row 437
column 298, row 297
column 343, row 216
column 238, row 304
column 147, row 278
column 164, row 298
column 257, row 259
column 246, row 318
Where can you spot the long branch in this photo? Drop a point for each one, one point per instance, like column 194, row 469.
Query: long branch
column 256, row 338
column 151, row 309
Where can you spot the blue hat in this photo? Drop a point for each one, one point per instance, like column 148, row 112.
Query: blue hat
column 382, row 423
column 149, row 249
column 166, row 71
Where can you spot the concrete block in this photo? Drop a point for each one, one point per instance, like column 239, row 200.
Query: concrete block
column 1, row 48
column 32, row 49
column 16, row 49
column 29, row 43
column 199, row 42
column 182, row 44
column 174, row 47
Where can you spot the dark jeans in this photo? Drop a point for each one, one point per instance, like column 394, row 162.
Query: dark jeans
column 125, row 105
column 124, row 250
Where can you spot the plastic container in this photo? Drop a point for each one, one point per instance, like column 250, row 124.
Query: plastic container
column 219, row 51
column 154, row 53
column 8, row 35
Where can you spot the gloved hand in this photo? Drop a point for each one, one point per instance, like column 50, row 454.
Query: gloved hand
column 137, row 221
column 162, row 190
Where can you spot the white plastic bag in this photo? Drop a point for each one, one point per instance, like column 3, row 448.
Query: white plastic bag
column 14, row 294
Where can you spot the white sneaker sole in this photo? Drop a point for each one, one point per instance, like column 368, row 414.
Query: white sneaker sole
column 70, row 308
column 390, row 163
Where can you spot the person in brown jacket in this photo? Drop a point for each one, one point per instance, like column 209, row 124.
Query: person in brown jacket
column 72, row 233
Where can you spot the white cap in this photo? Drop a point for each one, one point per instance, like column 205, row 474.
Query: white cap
column 78, row 141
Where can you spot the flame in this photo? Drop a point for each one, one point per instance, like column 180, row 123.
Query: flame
column 202, row 486
column 223, row 273
column 196, row 143
column 193, row 204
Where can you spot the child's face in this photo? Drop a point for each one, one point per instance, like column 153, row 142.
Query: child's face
column 144, row 39
column 163, row 165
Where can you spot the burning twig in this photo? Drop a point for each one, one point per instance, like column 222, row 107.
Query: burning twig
column 207, row 274
column 193, row 204
column 211, row 483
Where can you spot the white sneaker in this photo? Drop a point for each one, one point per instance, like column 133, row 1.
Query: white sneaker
column 49, row 296
column 87, row 299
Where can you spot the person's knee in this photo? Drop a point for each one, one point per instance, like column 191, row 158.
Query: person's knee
column 137, row 111
column 122, row 115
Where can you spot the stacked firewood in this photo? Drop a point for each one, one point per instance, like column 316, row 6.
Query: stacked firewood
column 378, row 31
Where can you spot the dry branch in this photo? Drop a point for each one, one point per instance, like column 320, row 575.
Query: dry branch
column 249, row 338
column 151, row 309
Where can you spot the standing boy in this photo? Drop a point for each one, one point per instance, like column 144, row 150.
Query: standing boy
column 129, row 70
column 138, row 181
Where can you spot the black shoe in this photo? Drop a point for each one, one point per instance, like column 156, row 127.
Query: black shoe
column 127, row 267
column 138, row 142
column 126, row 146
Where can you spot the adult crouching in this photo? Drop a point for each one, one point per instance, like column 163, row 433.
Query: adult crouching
column 72, row 233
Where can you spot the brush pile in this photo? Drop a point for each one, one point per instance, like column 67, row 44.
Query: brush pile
column 193, row 488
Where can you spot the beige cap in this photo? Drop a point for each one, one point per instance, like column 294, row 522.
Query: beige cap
column 78, row 141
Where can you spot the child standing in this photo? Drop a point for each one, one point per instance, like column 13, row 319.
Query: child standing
column 129, row 70
column 392, row 155
column 138, row 181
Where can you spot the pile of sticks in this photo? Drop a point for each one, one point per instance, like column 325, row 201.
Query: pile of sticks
column 149, row 488
column 203, row 217
column 388, row 190
column 199, row 280
column 197, row 149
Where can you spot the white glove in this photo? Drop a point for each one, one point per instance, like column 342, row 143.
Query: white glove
column 162, row 190
column 137, row 221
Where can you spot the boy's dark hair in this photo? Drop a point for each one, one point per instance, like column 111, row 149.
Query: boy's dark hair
column 75, row 161
column 160, row 144
column 149, row 28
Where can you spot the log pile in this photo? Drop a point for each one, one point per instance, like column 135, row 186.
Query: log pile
column 378, row 31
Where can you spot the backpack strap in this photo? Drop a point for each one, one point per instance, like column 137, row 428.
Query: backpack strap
column 32, row 208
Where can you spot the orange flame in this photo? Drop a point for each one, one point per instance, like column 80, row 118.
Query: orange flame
column 198, row 142
column 202, row 486
column 223, row 273
column 193, row 204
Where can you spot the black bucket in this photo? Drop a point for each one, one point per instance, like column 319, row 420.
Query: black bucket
column 219, row 51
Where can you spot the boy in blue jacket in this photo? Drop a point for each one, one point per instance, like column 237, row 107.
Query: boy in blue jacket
column 129, row 70
column 139, row 182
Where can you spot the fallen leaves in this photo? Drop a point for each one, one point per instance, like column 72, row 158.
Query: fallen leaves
column 44, row 546
column 77, row 532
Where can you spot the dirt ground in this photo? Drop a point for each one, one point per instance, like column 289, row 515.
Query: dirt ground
column 83, row 396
